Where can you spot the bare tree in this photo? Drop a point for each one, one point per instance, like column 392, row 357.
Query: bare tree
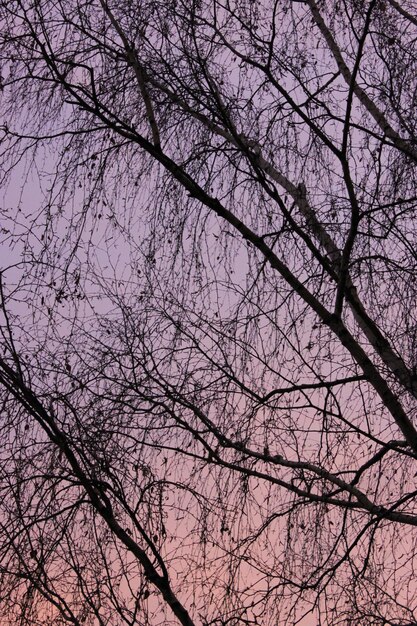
column 209, row 333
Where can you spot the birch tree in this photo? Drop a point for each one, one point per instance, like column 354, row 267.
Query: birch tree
column 208, row 333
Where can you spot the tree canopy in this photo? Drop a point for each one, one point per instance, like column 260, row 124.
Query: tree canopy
column 208, row 349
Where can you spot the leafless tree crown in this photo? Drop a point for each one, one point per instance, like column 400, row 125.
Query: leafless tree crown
column 208, row 286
